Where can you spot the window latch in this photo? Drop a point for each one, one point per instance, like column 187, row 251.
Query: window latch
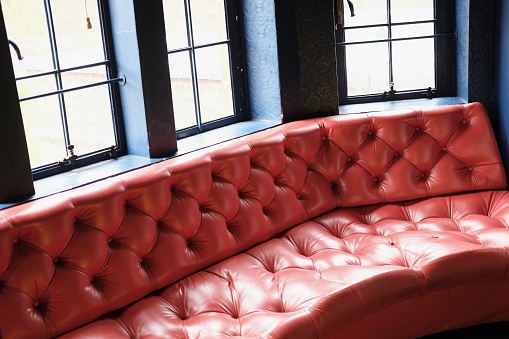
column 429, row 93
column 391, row 92
column 71, row 158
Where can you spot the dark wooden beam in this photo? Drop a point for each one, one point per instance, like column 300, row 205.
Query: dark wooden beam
column 16, row 181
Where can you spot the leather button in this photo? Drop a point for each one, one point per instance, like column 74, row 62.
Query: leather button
column 444, row 148
column 464, row 121
column 396, row 154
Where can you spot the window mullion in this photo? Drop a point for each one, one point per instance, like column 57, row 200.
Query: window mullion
column 107, row 49
column 389, row 28
column 58, row 75
column 192, row 56
column 230, row 49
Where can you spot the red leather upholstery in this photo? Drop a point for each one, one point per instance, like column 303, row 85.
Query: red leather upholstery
column 71, row 258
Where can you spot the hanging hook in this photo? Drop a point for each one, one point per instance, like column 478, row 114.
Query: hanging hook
column 352, row 10
column 16, row 48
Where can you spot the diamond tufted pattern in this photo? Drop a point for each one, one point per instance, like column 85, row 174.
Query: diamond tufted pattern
column 68, row 259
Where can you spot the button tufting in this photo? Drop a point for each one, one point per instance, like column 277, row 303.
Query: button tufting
column 417, row 128
column 444, row 148
column 324, row 138
column 15, row 240
column 370, row 133
column 470, row 169
column 464, row 121
column 349, row 159
column 396, row 154
column 423, row 175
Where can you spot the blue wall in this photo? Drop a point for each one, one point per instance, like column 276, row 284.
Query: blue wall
column 462, row 47
column 500, row 114
column 261, row 59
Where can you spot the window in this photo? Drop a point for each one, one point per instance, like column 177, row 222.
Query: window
column 395, row 49
column 66, row 82
column 205, row 63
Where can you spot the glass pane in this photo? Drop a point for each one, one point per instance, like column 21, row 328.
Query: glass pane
column 413, row 30
column 43, row 128
column 25, row 22
column 367, row 69
column 36, row 86
column 214, row 83
column 175, row 23
column 182, row 90
column 367, row 12
column 414, row 70
column 415, row 10
column 366, row 34
column 90, row 121
column 209, row 22
column 88, row 111
column 76, row 44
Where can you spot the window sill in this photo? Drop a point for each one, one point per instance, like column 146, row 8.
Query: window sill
column 398, row 105
column 88, row 174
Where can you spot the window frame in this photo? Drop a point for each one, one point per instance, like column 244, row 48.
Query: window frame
column 72, row 161
column 445, row 57
column 235, row 46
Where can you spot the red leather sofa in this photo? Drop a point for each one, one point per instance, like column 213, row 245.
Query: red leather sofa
column 376, row 225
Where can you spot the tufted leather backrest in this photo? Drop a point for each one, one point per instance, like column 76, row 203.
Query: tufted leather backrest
column 67, row 259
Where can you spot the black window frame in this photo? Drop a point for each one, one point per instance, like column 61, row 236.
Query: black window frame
column 445, row 57
column 233, row 17
column 73, row 161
